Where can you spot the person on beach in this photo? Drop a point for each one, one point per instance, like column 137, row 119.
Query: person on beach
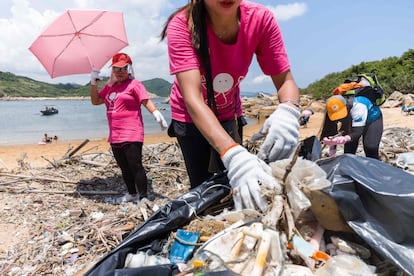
column 123, row 96
column 304, row 118
column 362, row 120
column 46, row 138
column 211, row 44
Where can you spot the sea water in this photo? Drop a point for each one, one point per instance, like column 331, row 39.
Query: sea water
column 21, row 121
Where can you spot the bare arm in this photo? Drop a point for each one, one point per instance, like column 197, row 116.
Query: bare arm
column 203, row 117
column 288, row 91
column 149, row 105
column 95, row 99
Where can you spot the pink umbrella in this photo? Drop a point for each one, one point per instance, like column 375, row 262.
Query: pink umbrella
column 80, row 40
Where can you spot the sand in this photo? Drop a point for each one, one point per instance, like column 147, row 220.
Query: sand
column 36, row 154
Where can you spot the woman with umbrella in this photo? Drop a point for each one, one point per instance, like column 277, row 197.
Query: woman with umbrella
column 123, row 97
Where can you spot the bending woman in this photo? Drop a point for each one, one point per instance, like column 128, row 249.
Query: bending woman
column 211, row 45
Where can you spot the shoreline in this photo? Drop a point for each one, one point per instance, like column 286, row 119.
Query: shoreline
column 71, row 98
column 43, row 98
column 35, row 154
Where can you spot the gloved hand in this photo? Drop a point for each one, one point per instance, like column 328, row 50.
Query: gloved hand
column 282, row 132
column 94, row 76
column 257, row 136
column 247, row 173
column 340, row 140
column 160, row 119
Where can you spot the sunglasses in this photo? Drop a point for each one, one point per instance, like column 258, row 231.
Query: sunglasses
column 353, row 79
column 120, row 69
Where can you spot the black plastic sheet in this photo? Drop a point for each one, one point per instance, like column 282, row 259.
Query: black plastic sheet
column 310, row 148
column 148, row 236
column 377, row 201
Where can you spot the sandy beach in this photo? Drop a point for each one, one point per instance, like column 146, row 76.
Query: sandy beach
column 37, row 155
column 40, row 205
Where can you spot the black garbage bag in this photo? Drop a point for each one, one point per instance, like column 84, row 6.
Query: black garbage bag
column 177, row 213
column 310, row 148
column 377, row 201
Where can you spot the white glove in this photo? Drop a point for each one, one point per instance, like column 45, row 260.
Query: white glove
column 282, row 132
column 94, row 76
column 246, row 173
column 160, row 119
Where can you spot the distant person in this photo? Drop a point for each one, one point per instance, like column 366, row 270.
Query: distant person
column 211, row 46
column 46, row 138
column 123, row 96
column 365, row 121
column 305, row 116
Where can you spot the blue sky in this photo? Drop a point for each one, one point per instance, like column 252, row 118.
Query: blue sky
column 321, row 37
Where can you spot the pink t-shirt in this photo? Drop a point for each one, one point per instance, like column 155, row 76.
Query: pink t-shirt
column 123, row 110
column 259, row 34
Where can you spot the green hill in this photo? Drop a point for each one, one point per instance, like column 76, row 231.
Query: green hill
column 19, row 86
column 393, row 73
column 158, row 86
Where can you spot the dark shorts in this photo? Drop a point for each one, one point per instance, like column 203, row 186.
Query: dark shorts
column 201, row 160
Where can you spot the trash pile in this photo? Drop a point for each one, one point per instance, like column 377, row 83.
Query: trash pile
column 63, row 218
column 325, row 217
column 305, row 231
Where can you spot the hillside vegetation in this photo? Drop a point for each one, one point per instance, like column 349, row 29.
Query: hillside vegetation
column 18, row 86
column 393, row 73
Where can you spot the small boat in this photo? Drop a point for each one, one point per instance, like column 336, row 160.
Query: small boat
column 49, row 110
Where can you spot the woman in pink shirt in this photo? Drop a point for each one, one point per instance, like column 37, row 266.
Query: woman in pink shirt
column 123, row 97
column 211, row 44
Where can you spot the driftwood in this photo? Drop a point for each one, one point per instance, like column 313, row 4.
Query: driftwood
column 31, row 178
column 71, row 192
column 75, row 150
column 66, row 218
column 93, row 163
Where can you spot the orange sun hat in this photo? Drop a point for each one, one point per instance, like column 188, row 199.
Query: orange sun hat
column 336, row 107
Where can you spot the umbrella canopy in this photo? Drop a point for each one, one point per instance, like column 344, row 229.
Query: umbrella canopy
column 80, row 40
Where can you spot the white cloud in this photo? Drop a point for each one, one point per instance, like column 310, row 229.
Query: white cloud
column 24, row 20
column 21, row 21
column 289, row 11
column 261, row 79
column 18, row 31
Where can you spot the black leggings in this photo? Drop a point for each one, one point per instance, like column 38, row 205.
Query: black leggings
column 128, row 156
column 196, row 152
column 371, row 136
column 201, row 160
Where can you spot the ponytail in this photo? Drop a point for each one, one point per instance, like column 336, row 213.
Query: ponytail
column 196, row 14
column 197, row 25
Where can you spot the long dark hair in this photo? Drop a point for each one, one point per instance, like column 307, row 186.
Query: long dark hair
column 196, row 13
column 197, row 24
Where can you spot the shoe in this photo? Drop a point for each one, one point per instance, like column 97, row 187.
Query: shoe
column 148, row 196
column 129, row 198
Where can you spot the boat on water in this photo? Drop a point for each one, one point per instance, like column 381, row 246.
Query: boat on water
column 49, row 110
